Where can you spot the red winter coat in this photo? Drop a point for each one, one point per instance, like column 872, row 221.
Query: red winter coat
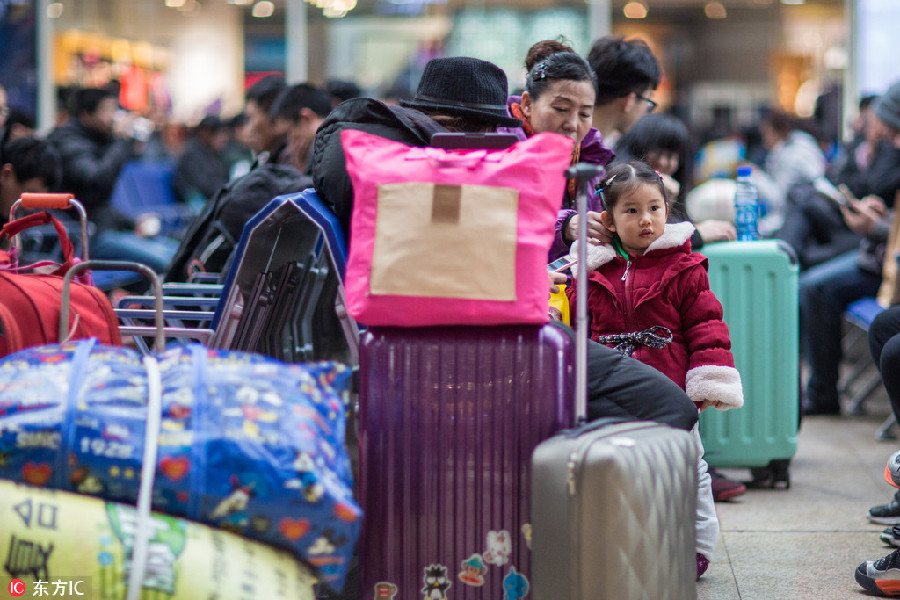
column 667, row 286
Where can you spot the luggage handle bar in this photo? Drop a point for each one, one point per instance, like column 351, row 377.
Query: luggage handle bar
column 114, row 265
column 582, row 173
column 32, row 200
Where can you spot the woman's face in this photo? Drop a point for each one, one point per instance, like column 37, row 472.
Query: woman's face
column 565, row 107
column 664, row 161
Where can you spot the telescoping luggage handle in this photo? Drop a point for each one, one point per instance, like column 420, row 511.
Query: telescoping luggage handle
column 582, row 173
column 56, row 201
column 159, row 328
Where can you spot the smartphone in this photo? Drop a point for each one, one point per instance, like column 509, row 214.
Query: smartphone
column 561, row 264
column 840, row 194
column 491, row 141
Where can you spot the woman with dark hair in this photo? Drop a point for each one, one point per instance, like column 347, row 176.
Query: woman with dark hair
column 559, row 98
column 663, row 142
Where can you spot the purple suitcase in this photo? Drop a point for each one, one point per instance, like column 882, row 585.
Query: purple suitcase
column 449, row 417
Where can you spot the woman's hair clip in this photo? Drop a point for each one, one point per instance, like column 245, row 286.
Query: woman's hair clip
column 609, row 181
column 539, row 71
column 658, row 174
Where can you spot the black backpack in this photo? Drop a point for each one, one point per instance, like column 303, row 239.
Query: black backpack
column 210, row 241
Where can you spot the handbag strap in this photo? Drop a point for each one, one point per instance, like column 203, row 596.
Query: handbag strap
column 37, row 219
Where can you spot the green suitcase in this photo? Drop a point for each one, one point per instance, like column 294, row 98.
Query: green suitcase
column 756, row 282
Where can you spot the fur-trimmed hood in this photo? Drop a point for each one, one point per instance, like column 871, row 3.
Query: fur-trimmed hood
column 674, row 236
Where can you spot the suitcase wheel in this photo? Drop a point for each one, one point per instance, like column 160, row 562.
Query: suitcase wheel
column 775, row 474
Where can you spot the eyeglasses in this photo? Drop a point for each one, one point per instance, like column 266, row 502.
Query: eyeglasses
column 651, row 104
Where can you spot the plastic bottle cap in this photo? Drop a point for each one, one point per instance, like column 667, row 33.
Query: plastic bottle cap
column 744, row 171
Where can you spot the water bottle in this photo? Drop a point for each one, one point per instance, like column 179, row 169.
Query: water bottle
column 746, row 206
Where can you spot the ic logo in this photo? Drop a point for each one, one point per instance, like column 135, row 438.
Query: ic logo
column 16, row 587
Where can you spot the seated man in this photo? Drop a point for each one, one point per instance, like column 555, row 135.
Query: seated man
column 95, row 146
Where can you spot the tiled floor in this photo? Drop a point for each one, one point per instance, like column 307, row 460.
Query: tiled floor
column 805, row 542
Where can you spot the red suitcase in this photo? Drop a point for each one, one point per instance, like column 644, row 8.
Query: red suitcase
column 30, row 302
column 448, row 421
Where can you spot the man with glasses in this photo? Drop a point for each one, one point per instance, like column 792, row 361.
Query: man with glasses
column 627, row 75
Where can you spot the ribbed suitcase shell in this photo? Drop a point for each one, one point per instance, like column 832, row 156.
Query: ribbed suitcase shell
column 448, row 421
column 756, row 282
column 614, row 514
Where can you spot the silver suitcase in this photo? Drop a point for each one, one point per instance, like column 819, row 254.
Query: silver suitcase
column 613, row 510
column 613, row 504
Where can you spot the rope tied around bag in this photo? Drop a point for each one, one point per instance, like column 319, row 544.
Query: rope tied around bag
column 626, row 343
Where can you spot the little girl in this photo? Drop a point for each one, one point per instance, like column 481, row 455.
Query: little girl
column 649, row 298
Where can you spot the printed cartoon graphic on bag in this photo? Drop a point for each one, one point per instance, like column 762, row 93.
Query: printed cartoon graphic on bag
column 385, row 590
column 436, row 583
column 526, row 531
column 232, row 509
column 515, row 585
column 473, row 571
column 499, row 547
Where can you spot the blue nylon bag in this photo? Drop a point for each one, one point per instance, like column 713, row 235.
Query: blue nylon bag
column 247, row 443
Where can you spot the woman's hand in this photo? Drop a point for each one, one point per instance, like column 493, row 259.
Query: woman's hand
column 555, row 279
column 716, row 231
column 597, row 233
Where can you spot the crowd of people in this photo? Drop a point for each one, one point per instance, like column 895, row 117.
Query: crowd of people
column 288, row 139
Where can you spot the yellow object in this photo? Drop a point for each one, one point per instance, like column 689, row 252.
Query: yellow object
column 560, row 302
column 53, row 536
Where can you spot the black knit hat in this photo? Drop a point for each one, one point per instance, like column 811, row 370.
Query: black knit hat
column 887, row 106
column 464, row 87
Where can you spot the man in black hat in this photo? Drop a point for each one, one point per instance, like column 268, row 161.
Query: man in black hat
column 455, row 94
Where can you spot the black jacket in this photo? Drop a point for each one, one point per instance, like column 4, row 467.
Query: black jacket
column 328, row 165
column 200, row 169
column 91, row 163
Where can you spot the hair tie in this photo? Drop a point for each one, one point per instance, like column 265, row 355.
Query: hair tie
column 539, row 71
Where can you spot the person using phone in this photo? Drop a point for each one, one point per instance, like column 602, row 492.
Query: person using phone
column 559, row 97
column 826, row 290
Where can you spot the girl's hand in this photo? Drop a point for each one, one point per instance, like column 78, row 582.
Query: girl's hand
column 556, row 278
column 710, row 404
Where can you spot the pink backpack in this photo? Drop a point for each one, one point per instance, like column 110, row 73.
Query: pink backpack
column 452, row 237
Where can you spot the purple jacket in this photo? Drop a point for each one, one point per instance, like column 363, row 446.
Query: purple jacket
column 592, row 151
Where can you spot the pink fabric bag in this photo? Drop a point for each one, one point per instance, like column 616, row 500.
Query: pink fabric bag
column 452, row 237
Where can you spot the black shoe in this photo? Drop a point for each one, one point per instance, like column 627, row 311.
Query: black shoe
column 891, row 536
column 886, row 514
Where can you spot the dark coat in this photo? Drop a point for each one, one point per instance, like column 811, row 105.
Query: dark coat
column 212, row 237
column 200, row 169
column 667, row 286
column 328, row 164
column 91, row 163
